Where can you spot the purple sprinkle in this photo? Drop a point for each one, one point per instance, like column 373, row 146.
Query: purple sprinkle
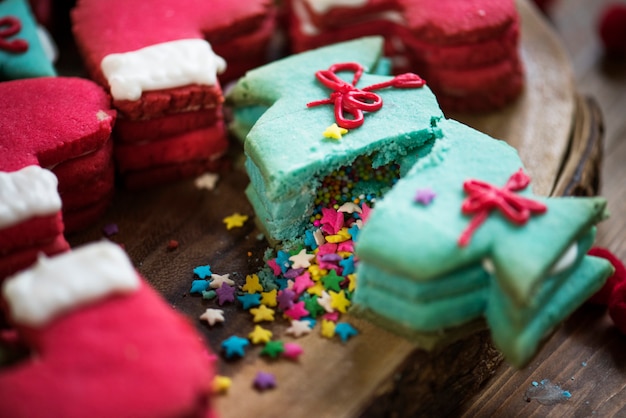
column 331, row 258
column 110, row 229
column 293, row 273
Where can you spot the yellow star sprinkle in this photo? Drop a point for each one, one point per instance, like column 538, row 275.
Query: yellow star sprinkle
column 334, row 132
column 260, row 335
column 269, row 298
column 252, row 284
column 221, row 384
column 316, row 289
column 235, row 220
column 328, row 328
column 341, row 236
column 351, row 282
column 317, row 272
column 262, row 313
column 339, row 301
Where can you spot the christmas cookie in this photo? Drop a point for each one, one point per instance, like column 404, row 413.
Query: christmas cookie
column 482, row 246
column 468, row 51
column 43, row 125
column 287, row 170
column 101, row 342
column 161, row 61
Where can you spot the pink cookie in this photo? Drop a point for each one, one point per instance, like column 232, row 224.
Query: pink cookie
column 62, row 124
column 102, row 343
column 180, row 48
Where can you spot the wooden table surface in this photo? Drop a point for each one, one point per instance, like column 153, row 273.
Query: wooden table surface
column 587, row 356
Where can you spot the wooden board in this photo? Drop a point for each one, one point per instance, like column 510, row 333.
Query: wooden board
column 376, row 371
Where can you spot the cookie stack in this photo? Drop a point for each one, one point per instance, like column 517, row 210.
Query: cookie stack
column 466, row 51
column 160, row 61
column 43, row 127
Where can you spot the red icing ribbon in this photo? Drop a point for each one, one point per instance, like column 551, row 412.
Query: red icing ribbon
column 484, row 197
column 348, row 99
column 9, row 26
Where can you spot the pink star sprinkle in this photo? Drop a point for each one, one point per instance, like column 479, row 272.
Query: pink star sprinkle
column 292, row 351
column 332, row 221
column 297, row 311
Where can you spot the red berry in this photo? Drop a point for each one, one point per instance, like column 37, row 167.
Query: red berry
column 612, row 28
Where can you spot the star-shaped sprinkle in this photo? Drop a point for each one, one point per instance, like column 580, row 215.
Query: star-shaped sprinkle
column 206, row 181
column 199, row 286
column 325, row 302
column 331, row 281
column 252, row 284
column 217, row 280
column 264, row 381
column 249, row 300
column 302, row 283
column 234, row 346
column 269, row 298
column 316, row 290
column 274, row 266
column 328, row 329
column 225, row 294
column 313, row 307
column 298, row 328
column 349, row 207
column 221, row 384
column 332, row 221
column 354, row 231
column 351, row 282
column 339, row 301
column 347, row 265
column 262, row 313
column 282, row 260
column 203, row 271
column 292, row 351
column 235, row 220
column 297, row 311
column 345, row 331
column 309, row 240
column 208, row 294
column 301, row 260
column 213, row 316
column 260, row 335
column 334, row 131
column 273, row 349
column 424, row 196
column 318, row 234
column 285, row 299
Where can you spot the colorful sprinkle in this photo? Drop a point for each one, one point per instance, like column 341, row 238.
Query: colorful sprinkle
column 424, row 196
column 298, row 328
column 260, row 335
column 206, row 181
column 273, row 349
column 262, row 313
column 264, row 381
column 234, row 346
column 292, row 351
column 345, row 331
column 334, row 132
column 212, row 316
column 235, row 220
column 203, row 271
column 225, row 294
column 221, row 384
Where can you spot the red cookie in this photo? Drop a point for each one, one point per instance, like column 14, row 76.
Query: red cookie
column 160, row 60
column 103, row 343
column 43, row 126
column 443, row 41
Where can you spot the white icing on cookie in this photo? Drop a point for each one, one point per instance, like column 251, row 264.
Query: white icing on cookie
column 566, row 261
column 322, row 6
column 161, row 66
column 67, row 281
column 31, row 191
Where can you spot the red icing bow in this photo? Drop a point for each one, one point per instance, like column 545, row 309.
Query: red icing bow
column 484, row 197
column 9, row 26
column 349, row 99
